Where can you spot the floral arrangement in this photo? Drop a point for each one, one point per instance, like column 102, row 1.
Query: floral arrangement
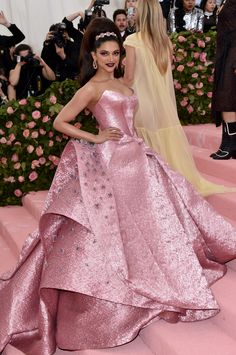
column 30, row 148
column 193, row 68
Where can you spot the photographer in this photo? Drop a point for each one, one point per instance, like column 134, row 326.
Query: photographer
column 27, row 76
column 3, row 87
column 17, row 35
column 7, row 44
column 60, row 52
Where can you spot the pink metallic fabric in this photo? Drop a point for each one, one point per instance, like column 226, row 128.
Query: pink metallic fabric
column 123, row 241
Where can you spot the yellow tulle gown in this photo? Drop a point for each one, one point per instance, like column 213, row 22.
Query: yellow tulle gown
column 156, row 119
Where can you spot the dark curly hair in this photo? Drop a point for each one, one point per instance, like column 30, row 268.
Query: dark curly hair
column 90, row 44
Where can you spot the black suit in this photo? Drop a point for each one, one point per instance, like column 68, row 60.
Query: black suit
column 165, row 5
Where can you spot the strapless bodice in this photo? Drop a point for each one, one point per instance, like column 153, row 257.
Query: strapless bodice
column 115, row 109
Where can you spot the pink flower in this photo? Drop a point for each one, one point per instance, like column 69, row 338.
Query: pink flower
column 18, row 193
column 59, row 139
column 31, row 124
column 9, row 124
column 36, row 114
column 192, row 45
column 45, row 119
column 200, row 92
column 12, row 137
column 42, row 132
column 183, row 103
column 22, row 116
column 209, row 106
column 203, row 57
column 2, row 132
column 3, row 140
column 21, row 178
column 181, row 39
column 4, row 160
column 37, row 104
column 30, row 149
column 199, row 85
column 208, row 39
column 42, row 160
column 53, row 99
column 17, row 166
column 196, row 55
column 178, row 86
column 23, row 102
column 34, row 134
column 200, row 67
column 190, row 64
column 50, row 143
column 180, row 68
column 209, row 94
column 194, row 75
column 9, row 179
column 211, row 79
column 190, row 109
column 33, row 176
column 15, row 157
column 55, row 160
column 201, row 43
column 17, row 143
column 26, row 133
column 35, row 164
column 184, row 90
column 39, row 151
column 10, row 110
column 50, row 134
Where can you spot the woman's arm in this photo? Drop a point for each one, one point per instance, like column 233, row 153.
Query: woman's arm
column 130, row 63
column 82, row 99
column 14, row 75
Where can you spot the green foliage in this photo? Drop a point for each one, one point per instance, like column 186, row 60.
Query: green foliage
column 30, row 148
column 193, row 75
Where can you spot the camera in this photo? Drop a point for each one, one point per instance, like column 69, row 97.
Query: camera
column 58, row 35
column 101, row 2
column 28, row 59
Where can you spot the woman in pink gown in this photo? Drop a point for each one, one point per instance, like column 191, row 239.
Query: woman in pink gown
column 123, row 239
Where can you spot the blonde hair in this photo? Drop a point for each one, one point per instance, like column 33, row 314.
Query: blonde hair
column 150, row 23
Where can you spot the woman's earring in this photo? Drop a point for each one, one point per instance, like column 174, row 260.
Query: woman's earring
column 95, row 65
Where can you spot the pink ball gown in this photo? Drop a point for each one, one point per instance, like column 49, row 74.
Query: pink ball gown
column 123, row 241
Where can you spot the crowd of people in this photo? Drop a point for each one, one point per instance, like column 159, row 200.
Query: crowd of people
column 24, row 73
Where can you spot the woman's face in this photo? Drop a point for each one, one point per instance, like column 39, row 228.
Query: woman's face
column 107, row 56
column 210, row 5
column 188, row 5
column 130, row 3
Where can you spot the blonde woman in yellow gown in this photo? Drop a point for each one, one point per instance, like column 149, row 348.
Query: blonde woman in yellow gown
column 148, row 71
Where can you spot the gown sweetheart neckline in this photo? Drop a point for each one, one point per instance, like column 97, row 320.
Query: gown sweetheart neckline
column 115, row 92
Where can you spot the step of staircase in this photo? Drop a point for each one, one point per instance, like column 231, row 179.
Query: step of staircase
column 15, row 224
column 204, row 136
column 223, row 169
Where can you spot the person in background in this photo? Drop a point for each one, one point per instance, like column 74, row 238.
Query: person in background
column 28, row 74
column 185, row 17
column 224, row 91
column 60, row 53
column 148, row 71
column 120, row 20
column 210, row 19
column 7, row 45
column 130, row 7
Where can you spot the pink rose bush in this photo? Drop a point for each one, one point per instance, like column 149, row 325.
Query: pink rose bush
column 193, row 75
column 30, row 149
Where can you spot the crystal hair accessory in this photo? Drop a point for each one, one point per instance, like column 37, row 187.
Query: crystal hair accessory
column 105, row 34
